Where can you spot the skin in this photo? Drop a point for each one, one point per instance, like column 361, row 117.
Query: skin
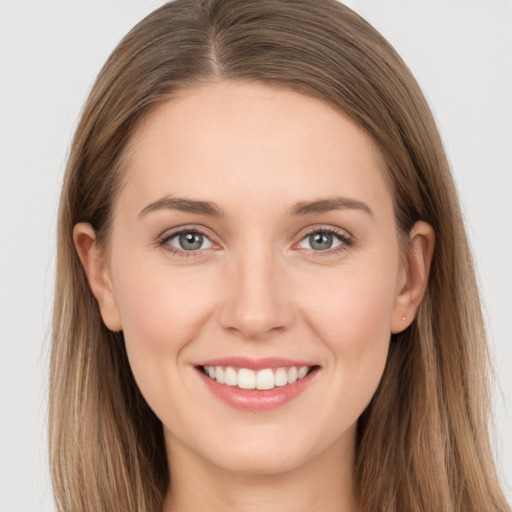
column 257, row 288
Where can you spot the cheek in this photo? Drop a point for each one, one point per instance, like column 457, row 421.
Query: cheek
column 161, row 312
column 352, row 317
column 350, row 304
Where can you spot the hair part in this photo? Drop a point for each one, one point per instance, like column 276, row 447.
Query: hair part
column 428, row 420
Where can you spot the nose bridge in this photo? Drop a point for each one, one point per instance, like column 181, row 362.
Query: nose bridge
column 256, row 302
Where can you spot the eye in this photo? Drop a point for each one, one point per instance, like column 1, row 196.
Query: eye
column 189, row 241
column 323, row 240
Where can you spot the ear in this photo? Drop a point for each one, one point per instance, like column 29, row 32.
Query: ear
column 96, row 268
column 414, row 275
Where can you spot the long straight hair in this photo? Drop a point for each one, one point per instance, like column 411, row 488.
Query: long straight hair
column 423, row 442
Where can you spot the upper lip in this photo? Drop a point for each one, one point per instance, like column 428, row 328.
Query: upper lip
column 255, row 364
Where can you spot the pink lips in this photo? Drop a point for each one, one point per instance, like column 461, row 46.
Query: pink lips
column 255, row 364
column 253, row 399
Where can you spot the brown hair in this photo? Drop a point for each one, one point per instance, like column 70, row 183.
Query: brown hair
column 423, row 441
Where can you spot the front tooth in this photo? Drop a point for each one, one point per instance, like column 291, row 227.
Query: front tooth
column 230, row 376
column 292, row 375
column 265, row 379
column 246, row 378
column 281, row 378
column 302, row 372
column 219, row 375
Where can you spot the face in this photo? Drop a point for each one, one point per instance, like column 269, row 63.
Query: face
column 254, row 240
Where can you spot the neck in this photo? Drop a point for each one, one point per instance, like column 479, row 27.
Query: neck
column 323, row 483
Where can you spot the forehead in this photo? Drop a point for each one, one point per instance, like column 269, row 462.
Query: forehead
column 249, row 140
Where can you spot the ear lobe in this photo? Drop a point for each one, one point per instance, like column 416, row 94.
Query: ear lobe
column 93, row 261
column 419, row 255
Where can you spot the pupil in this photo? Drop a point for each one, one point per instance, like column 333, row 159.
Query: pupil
column 191, row 241
column 320, row 241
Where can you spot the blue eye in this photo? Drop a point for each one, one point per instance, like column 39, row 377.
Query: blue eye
column 188, row 241
column 323, row 240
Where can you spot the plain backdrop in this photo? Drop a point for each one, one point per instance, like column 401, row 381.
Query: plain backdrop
column 50, row 53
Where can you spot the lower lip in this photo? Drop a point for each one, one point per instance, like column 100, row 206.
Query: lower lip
column 258, row 400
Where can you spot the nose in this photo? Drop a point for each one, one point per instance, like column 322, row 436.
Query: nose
column 256, row 302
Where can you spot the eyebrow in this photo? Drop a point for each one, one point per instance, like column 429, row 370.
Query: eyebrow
column 327, row 205
column 213, row 210
column 183, row 205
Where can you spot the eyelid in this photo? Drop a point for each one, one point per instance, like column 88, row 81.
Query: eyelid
column 346, row 238
column 177, row 236
column 322, row 228
column 169, row 234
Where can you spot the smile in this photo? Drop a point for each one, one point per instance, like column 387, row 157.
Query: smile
column 267, row 378
column 257, row 385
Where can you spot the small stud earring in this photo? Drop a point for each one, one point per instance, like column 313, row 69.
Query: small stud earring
column 404, row 319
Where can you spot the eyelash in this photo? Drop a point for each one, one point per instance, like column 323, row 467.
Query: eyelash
column 347, row 241
column 162, row 242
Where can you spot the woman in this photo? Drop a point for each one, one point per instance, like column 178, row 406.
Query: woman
column 264, row 291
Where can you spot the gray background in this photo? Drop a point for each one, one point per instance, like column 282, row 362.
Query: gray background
column 50, row 52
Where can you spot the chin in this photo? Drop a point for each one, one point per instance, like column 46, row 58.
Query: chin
column 264, row 462
column 265, row 453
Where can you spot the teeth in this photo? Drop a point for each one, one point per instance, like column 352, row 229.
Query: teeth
column 245, row 378
column 230, row 377
column 219, row 375
column 281, row 377
column 265, row 379
column 292, row 375
column 302, row 372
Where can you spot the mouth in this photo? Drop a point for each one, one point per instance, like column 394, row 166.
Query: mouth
column 260, row 385
column 263, row 379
